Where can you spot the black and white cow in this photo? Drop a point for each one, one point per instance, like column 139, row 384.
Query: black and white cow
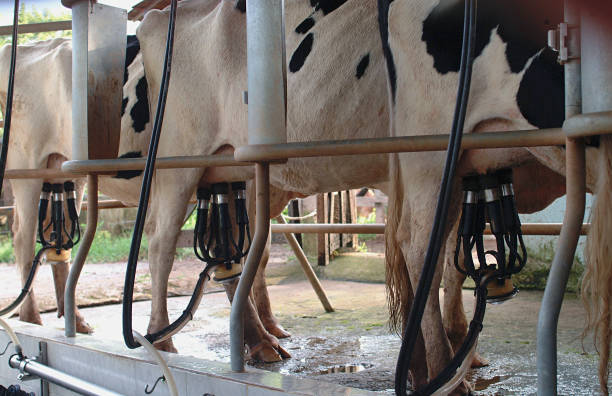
column 516, row 84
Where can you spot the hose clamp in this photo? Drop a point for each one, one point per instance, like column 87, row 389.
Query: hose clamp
column 58, row 196
column 491, row 194
column 507, row 190
column 470, row 197
column 220, row 198
column 240, row 194
column 203, row 204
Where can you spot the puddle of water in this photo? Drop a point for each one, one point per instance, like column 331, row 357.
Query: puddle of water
column 346, row 368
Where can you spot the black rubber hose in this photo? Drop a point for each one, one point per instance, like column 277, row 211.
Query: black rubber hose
column 74, row 235
column 474, row 329
column 28, row 284
column 57, row 217
column 187, row 315
column 439, row 222
column 199, row 231
column 43, row 205
column 9, row 97
column 130, row 273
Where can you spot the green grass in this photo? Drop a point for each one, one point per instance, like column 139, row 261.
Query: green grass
column 6, row 251
column 107, row 248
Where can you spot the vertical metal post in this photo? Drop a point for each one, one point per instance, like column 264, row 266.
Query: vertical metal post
column 79, row 259
column 267, row 124
column 266, row 72
column 574, row 214
column 80, row 34
column 262, row 231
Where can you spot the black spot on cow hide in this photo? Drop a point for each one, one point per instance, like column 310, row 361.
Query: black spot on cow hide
column 131, row 50
column 383, row 26
column 124, row 103
column 241, row 5
column 541, row 96
column 301, row 53
column 140, row 111
column 326, row 6
column 521, row 24
column 362, row 66
column 305, row 25
column 130, row 174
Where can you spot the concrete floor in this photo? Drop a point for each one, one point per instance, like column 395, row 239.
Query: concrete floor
column 356, row 334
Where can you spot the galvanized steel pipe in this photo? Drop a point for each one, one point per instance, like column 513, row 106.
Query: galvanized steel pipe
column 190, row 161
column 58, row 377
column 526, row 228
column 265, row 70
column 80, row 34
column 262, row 230
column 278, row 152
column 79, row 259
column 575, row 180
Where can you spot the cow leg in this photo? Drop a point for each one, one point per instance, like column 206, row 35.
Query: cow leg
column 262, row 300
column 416, row 222
column 262, row 345
column 260, row 290
column 453, row 314
column 26, row 193
column 169, row 205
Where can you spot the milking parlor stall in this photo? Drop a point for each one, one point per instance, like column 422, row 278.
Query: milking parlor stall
column 470, row 206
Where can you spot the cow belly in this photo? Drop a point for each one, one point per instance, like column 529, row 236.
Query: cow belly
column 323, row 174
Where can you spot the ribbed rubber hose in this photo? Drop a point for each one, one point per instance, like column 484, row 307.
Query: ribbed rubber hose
column 8, row 111
column 130, row 273
column 439, row 224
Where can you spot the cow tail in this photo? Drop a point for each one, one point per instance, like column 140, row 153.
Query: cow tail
column 596, row 287
column 399, row 292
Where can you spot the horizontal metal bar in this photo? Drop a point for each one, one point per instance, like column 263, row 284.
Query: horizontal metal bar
column 39, row 174
column 588, row 124
column 276, row 152
column 329, row 228
column 527, row 228
column 58, row 377
column 194, row 161
column 106, row 204
column 37, row 27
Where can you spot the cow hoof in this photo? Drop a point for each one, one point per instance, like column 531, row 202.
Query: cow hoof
column 166, row 346
column 26, row 315
column 479, row 361
column 268, row 353
column 83, row 327
column 277, row 331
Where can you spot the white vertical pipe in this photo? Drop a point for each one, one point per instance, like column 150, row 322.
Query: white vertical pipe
column 80, row 35
column 265, row 68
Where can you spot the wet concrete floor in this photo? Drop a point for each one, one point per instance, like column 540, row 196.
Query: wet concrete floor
column 357, row 334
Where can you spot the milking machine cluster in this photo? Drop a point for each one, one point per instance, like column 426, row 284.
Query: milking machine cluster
column 213, row 237
column 490, row 197
column 60, row 240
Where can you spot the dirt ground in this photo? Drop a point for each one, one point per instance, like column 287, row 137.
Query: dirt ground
column 355, row 335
